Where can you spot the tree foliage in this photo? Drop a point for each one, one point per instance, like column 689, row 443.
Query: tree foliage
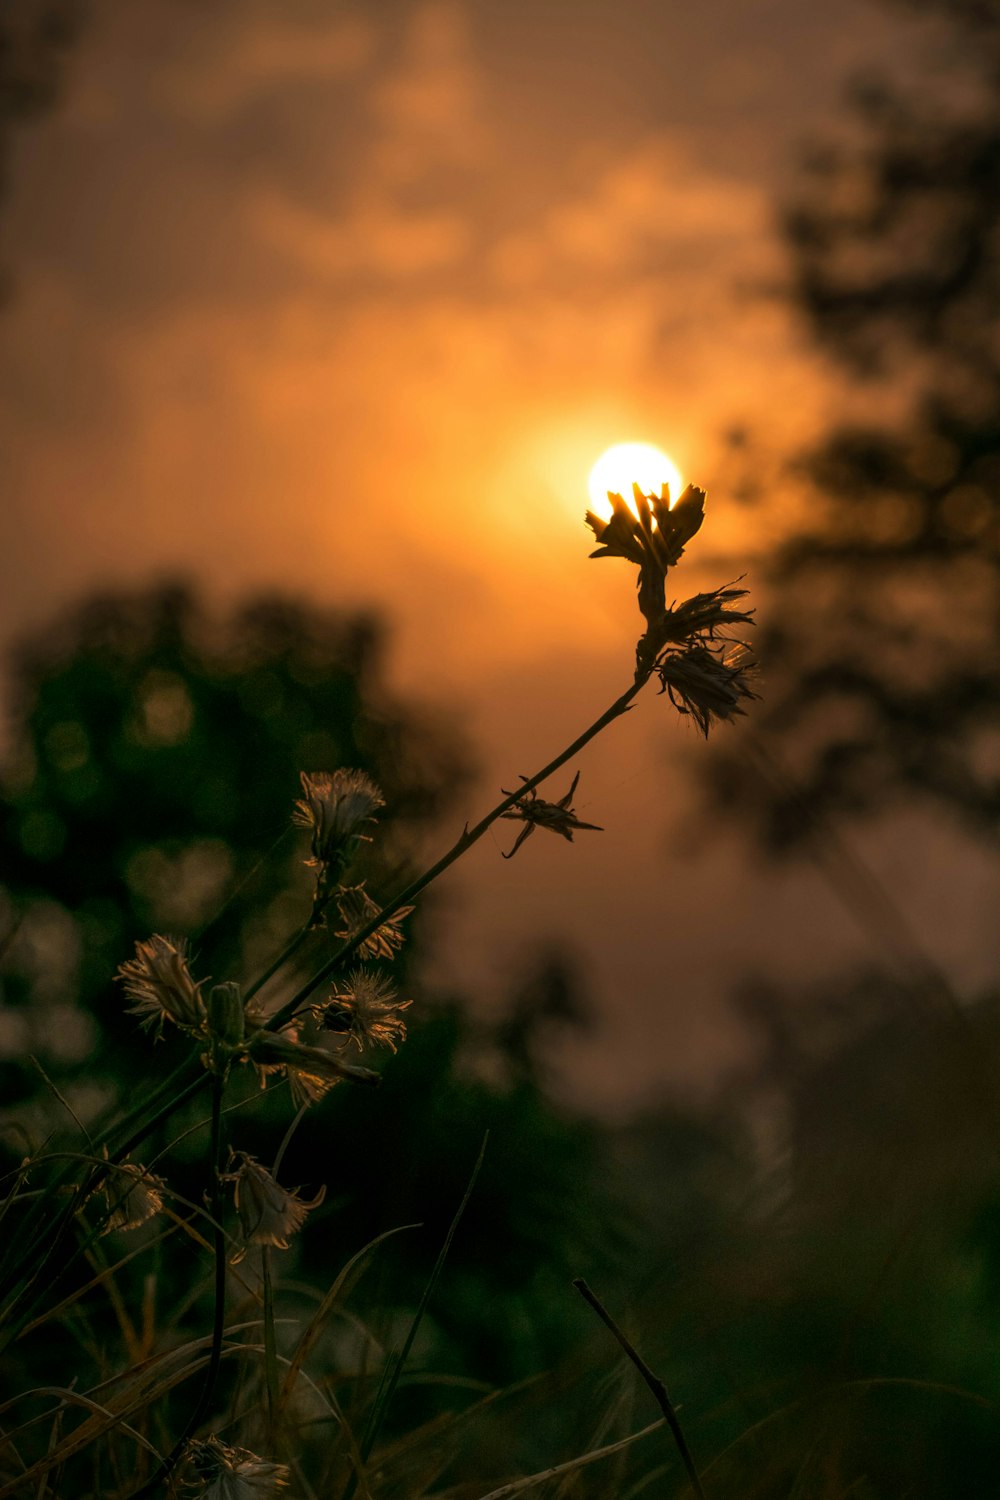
column 153, row 766
column 882, row 636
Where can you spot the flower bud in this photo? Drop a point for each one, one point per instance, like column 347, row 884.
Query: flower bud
column 225, row 1013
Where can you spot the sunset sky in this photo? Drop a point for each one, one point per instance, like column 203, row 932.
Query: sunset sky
column 347, row 299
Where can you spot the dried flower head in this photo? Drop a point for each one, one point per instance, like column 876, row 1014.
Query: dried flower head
column 335, row 806
column 222, row 1472
column 357, row 909
column 653, row 535
column 558, row 817
column 366, row 1011
column 710, row 685
column 311, row 1071
column 159, row 985
column 269, row 1214
column 133, row 1195
column 704, row 618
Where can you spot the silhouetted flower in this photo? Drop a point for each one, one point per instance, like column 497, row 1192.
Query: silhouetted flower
column 357, row 909
column 223, row 1472
column 654, row 536
column 269, row 1214
column 709, row 685
column 159, row 984
column 366, row 1011
column 558, row 817
column 698, row 620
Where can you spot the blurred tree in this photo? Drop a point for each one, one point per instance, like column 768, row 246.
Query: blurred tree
column 152, row 770
column 882, row 635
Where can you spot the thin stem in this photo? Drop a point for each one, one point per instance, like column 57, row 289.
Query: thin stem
column 37, row 1246
column 270, row 1343
column 204, row 1401
column 654, row 1383
column 194, row 1086
column 166, row 1089
column 287, row 952
column 397, row 1361
column 468, row 837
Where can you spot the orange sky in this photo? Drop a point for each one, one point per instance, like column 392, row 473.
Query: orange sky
column 348, row 299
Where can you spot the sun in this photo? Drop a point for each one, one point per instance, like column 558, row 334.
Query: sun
column 631, row 463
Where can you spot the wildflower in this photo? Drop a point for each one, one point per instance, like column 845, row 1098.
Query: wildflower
column 534, row 813
column 334, row 808
column 223, row 1472
column 133, row 1195
column 653, row 536
column 311, row 1071
column 268, row 1213
column 367, row 1012
column 702, row 618
column 357, row 909
column 159, row 984
column 709, row 685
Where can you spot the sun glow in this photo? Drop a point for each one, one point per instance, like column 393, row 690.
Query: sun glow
column 631, row 463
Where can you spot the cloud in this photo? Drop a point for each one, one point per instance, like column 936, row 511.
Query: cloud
column 241, row 53
column 427, row 106
column 654, row 204
column 373, row 238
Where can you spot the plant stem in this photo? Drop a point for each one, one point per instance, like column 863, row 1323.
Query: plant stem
column 270, row 1344
column 468, row 837
column 287, row 952
column 204, row 1401
column 397, row 1360
column 654, row 1383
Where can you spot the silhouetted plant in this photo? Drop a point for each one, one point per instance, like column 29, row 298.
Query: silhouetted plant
column 310, row 1028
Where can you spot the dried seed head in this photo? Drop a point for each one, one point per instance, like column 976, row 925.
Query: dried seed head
column 269, row 1214
column 709, row 685
column 357, row 909
column 366, row 1011
column 159, row 985
column 222, row 1472
column 133, row 1196
column 703, row 619
column 558, row 817
column 335, row 807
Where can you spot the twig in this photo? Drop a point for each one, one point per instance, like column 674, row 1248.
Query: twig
column 654, row 1383
column 397, row 1361
column 518, row 1486
column 468, row 837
